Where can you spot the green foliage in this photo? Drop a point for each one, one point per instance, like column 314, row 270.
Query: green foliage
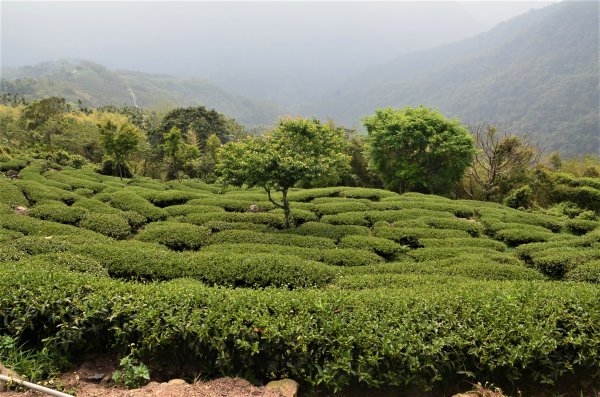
column 33, row 365
column 514, row 236
column 315, row 329
column 128, row 201
column 265, row 218
column 247, row 236
column 297, row 152
column 11, row 194
column 581, row 226
column 35, row 245
column 119, row 142
column 418, row 149
column 381, row 246
column 176, row 236
column 58, row 212
column 131, row 373
column 111, row 225
column 334, row 232
column 588, row 272
column 521, row 198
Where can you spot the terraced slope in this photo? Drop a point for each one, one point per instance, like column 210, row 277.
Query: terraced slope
column 368, row 286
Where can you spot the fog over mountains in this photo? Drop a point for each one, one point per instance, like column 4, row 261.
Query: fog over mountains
column 537, row 72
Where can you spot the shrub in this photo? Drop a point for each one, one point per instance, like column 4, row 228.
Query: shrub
column 520, row 198
column 111, row 225
column 471, row 227
column 366, row 193
column 334, row 232
column 386, row 248
column 347, row 218
column 33, row 226
column 176, row 236
column 247, row 236
column 556, row 262
column 58, row 212
column 219, row 226
column 522, row 235
column 272, row 220
column 309, row 194
column 11, row 194
column 588, row 272
column 231, row 204
column 34, row 245
column 9, row 253
column 36, row 192
column 464, row 242
column 131, row 373
column 427, row 333
column 298, row 216
column 340, row 207
column 95, row 206
column 581, row 226
column 412, row 236
column 128, row 201
column 439, row 253
column 68, row 261
column 185, row 209
column 173, row 197
column 74, row 182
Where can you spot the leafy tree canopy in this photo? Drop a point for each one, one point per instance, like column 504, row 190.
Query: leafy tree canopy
column 418, row 149
column 199, row 121
column 297, row 151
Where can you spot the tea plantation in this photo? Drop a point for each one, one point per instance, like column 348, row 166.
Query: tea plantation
column 367, row 287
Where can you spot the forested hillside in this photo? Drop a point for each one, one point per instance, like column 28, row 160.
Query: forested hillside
column 537, row 73
column 95, row 85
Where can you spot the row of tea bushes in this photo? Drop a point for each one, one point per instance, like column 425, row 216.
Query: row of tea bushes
column 334, row 337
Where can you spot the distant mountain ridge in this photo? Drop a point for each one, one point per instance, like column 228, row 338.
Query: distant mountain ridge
column 536, row 73
column 96, row 85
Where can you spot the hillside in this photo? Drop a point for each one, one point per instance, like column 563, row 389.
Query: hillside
column 536, row 73
column 368, row 287
column 95, row 85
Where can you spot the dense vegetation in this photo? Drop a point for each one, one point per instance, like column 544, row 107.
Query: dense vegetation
column 367, row 286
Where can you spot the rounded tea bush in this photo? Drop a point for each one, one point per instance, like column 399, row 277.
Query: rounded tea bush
column 111, row 225
column 174, row 235
column 588, row 272
column 58, row 212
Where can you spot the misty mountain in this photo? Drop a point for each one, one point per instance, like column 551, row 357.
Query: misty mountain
column 96, row 85
column 536, row 73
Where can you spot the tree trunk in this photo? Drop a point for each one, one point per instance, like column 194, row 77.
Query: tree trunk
column 286, row 208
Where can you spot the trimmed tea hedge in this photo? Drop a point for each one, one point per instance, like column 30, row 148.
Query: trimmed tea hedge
column 334, row 232
column 111, row 225
column 397, row 337
column 58, row 212
column 11, row 194
column 185, row 209
column 247, row 236
column 273, row 220
column 381, row 246
column 588, row 272
column 174, row 235
column 128, row 201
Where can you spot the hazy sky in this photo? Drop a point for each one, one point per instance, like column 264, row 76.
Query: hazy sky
column 243, row 46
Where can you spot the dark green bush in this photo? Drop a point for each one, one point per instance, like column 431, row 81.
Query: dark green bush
column 232, row 204
column 219, row 226
column 34, row 245
column 111, row 225
column 588, row 272
column 463, row 242
column 297, row 216
column 347, row 218
column 386, row 248
column 58, row 212
column 272, row 220
column 522, row 235
column 412, row 236
column 38, row 191
column 184, row 209
column 334, row 232
column 521, row 198
column 427, row 333
column 581, row 226
column 173, row 197
column 174, row 235
column 340, row 207
column 68, row 261
column 11, row 194
column 556, row 262
column 128, row 201
column 247, row 236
